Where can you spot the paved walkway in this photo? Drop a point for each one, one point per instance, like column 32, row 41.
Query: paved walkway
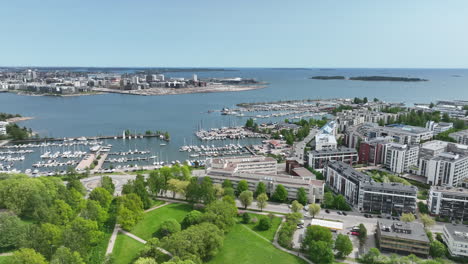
column 275, row 243
column 6, row 254
column 144, row 242
column 110, row 246
column 159, row 206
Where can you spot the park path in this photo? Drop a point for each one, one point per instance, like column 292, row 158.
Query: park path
column 6, row 254
column 275, row 243
column 113, row 238
column 144, row 242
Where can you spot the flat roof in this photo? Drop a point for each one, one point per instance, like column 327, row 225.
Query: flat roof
column 348, row 171
column 328, row 224
column 391, row 186
column 458, row 232
column 303, row 172
column 448, row 189
column 339, row 150
column 409, row 231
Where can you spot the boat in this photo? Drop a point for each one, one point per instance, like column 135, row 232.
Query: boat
column 162, row 144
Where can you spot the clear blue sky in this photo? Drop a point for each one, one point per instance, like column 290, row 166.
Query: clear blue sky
column 240, row 33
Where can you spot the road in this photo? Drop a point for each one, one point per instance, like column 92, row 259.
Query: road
column 300, row 146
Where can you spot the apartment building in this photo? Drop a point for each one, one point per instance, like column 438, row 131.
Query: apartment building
column 387, row 198
column 317, row 159
column 256, row 164
column 403, row 134
column 401, row 237
column 400, row 158
column 456, row 239
column 450, row 202
column 371, row 152
column 460, row 136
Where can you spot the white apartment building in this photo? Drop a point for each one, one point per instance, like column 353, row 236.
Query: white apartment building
column 456, row 239
column 460, row 136
column 400, row 158
column 231, row 165
column 438, row 127
column 3, row 128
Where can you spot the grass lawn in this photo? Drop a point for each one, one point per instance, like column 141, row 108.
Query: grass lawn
column 153, row 219
column 268, row 234
column 98, row 253
column 244, row 247
column 4, row 259
column 126, row 249
column 155, row 203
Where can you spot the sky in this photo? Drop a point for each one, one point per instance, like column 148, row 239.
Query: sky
column 240, row 33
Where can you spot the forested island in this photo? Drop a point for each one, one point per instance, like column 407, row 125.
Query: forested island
column 370, row 78
column 328, row 77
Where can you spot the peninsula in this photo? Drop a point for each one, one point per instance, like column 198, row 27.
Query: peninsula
column 370, row 78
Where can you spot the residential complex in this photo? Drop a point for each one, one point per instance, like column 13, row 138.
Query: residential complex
column 399, row 158
column 231, row 165
column 371, row 151
column 460, row 136
column 448, row 202
column 387, row 198
column 402, row 134
column 401, row 237
column 317, row 159
column 438, row 128
column 456, row 239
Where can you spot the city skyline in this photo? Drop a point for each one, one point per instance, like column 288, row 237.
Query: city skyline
column 358, row 34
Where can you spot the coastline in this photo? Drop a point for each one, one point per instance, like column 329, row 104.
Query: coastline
column 19, row 119
column 53, row 95
column 173, row 91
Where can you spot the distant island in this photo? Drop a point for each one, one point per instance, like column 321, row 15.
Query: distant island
column 328, row 78
column 386, row 78
column 370, row 78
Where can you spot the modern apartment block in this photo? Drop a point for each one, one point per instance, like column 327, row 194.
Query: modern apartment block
column 438, row 128
column 403, row 134
column 345, row 180
column 313, row 188
column 318, row 158
column 460, row 136
column 256, row 164
column 456, row 239
column 448, row 202
column 366, row 195
column 443, row 163
column 371, row 152
column 403, row 238
column 387, row 198
column 400, row 158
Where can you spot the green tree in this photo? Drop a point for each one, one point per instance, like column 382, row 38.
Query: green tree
column 320, row 252
column 362, row 234
column 129, row 210
column 106, row 183
column 192, row 218
column 296, row 206
column 81, row 235
column 371, row 257
column 168, row 227
column 145, row 261
column 64, row 255
column 264, row 223
column 228, row 191
column 207, row 190
column 314, row 209
column 11, row 228
column 156, row 182
column 205, row 240
column 61, row 213
column 177, row 187
column 302, row 196
column 246, row 198
column 280, row 194
column 193, row 191
column 317, row 233
column 261, row 188
column 93, row 211
column 328, row 200
column 245, row 218
column 262, row 201
column 218, row 190
column 343, row 245
column 407, row 217
column 221, row 213
column 44, row 238
column 27, row 256
column 340, row 203
column 102, row 196
column 427, row 220
column 227, row 183
column 437, row 249
column 242, row 186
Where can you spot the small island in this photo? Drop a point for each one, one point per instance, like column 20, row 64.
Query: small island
column 386, row 78
column 328, row 77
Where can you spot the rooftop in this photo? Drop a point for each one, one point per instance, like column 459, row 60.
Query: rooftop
column 348, row 171
column 339, row 150
column 391, row 186
column 410, row 231
column 448, row 189
column 406, row 129
column 457, row 232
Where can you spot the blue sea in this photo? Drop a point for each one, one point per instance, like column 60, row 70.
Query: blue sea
column 181, row 115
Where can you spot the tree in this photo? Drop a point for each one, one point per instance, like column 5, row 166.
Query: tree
column 218, row 190
column 177, row 186
column 302, row 196
column 94, row 211
column 129, row 210
column 320, row 252
column 197, row 243
column 427, row 220
column 145, row 261
column 280, row 194
column 245, row 218
column 221, row 213
column 11, row 228
column 262, row 201
column 106, row 183
column 343, row 245
column 168, row 227
column 64, row 255
column 246, row 198
column 328, row 200
column 362, row 235
column 407, row 217
column 261, row 188
column 264, row 223
column 192, row 218
column 139, row 188
column 296, row 206
column 193, row 191
column 445, row 118
column 340, row 203
column 317, row 233
column 61, row 213
column 228, row 191
column 242, row 186
column 207, row 190
column 102, row 196
column 81, row 235
column 156, row 182
column 44, row 238
column 437, row 249
column 371, row 257
column 227, row 183
column 27, row 256
column 314, row 209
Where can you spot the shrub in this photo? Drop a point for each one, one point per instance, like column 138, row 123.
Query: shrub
column 245, row 218
column 264, row 224
column 169, row 227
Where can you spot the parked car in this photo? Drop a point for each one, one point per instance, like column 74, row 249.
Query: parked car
column 379, row 216
column 355, row 233
column 366, row 215
column 370, row 216
column 338, row 212
column 344, row 213
column 327, row 211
